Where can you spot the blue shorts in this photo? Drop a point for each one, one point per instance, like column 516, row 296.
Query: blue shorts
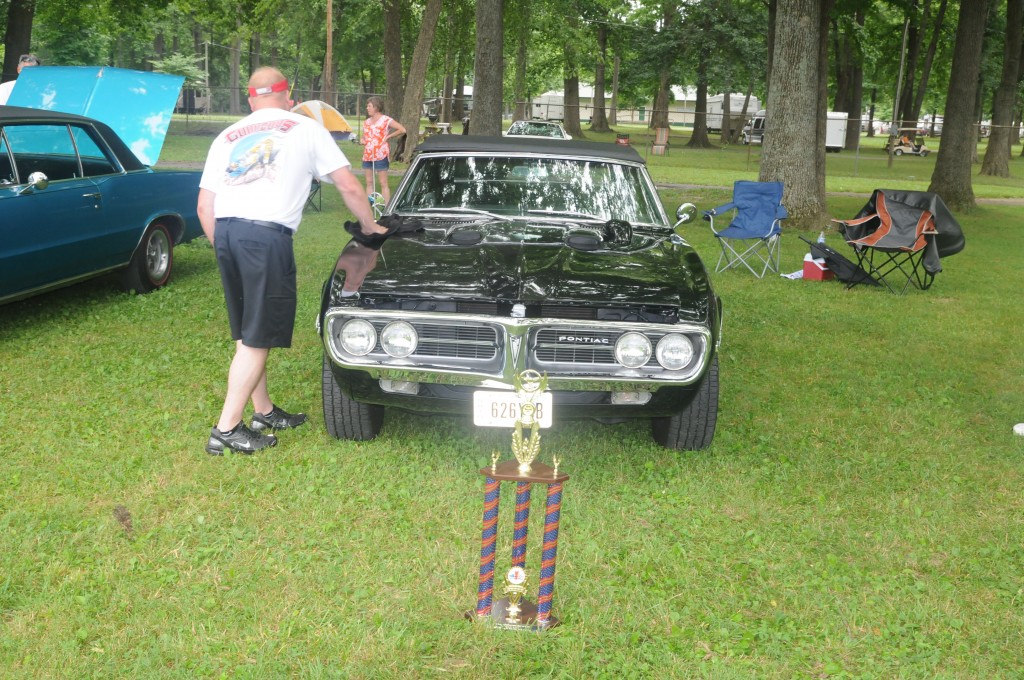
column 379, row 166
column 257, row 270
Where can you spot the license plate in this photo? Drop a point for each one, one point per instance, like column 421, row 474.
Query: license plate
column 500, row 409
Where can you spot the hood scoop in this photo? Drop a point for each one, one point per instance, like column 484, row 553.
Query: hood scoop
column 465, row 237
column 611, row 234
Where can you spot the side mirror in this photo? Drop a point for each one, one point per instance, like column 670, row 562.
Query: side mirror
column 36, row 181
column 685, row 213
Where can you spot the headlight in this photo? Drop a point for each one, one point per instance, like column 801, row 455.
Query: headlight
column 358, row 337
column 399, row 339
column 674, row 351
column 632, row 350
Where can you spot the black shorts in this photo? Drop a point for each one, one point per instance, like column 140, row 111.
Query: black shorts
column 257, row 270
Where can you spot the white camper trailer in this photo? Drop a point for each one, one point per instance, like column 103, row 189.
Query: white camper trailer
column 716, row 110
column 835, row 130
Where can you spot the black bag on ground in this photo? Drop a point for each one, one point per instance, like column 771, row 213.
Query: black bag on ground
column 844, row 269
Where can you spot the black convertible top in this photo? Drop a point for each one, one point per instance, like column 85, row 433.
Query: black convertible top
column 20, row 114
column 514, row 145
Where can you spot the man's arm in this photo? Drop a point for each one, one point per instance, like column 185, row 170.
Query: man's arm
column 205, row 210
column 352, row 192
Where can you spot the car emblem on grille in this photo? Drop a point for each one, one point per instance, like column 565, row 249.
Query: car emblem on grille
column 582, row 340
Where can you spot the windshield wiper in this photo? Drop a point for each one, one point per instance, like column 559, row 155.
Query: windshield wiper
column 565, row 213
column 460, row 209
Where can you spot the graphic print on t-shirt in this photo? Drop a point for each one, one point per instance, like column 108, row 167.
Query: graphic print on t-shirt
column 253, row 159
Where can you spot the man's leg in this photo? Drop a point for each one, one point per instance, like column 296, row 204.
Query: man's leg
column 247, row 377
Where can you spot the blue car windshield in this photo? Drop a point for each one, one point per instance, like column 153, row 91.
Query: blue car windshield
column 559, row 188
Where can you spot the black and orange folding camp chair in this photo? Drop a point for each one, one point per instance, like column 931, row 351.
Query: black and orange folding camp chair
column 900, row 237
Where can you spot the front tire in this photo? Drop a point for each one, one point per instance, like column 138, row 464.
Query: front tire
column 693, row 427
column 346, row 418
column 151, row 263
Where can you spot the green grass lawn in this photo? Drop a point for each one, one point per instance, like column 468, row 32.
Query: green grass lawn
column 860, row 513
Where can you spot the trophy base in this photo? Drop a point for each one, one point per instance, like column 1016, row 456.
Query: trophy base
column 508, row 471
column 498, row 617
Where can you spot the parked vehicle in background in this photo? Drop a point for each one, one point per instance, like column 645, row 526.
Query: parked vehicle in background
column 716, row 111
column 549, row 129
column 515, row 253
column 75, row 202
column 930, row 126
column 835, row 130
column 753, row 132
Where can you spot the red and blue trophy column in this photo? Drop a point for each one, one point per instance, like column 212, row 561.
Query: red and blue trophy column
column 488, row 543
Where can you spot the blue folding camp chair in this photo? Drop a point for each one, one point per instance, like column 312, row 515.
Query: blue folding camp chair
column 753, row 238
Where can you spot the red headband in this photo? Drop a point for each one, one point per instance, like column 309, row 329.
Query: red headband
column 279, row 86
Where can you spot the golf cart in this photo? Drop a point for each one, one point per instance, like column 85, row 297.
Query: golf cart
column 908, row 141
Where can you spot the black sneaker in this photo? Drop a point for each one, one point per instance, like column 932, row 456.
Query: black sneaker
column 277, row 419
column 239, row 440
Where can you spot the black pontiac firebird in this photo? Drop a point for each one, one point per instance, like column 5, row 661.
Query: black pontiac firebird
column 515, row 254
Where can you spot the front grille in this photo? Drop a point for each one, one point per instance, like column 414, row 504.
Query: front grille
column 570, row 347
column 459, row 342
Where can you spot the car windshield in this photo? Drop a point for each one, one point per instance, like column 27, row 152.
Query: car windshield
column 535, row 129
column 571, row 189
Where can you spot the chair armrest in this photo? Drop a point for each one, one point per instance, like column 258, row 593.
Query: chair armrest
column 781, row 213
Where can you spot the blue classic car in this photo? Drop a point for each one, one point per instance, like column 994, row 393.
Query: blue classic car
column 75, row 202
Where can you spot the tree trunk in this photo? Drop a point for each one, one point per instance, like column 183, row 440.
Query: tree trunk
column 773, row 10
column 724, row 133
column 794, row 108
column 236, row 67
column 412, row 101
column 997, row 155
column 488, row 69
column 571, row 107
column 699, row 138
column 18, row 37
column 446, row 98
column 659, row 112
column 871, row 112
column 519, row 94
column 613, row 115
column 159, row 46
column 394, row 81
column 327, row 75
column 913, row 54
column 599, row 121
column 951, row 178
column 571, row 79
column 855, row 102
column 929, row 57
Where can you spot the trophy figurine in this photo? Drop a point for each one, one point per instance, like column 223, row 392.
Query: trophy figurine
column 514, row 611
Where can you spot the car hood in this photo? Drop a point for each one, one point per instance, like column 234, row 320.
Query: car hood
column 517, row 262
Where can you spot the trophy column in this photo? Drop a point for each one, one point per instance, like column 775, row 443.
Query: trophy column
column 522, row 524
column 488, row 541
column 549, row 554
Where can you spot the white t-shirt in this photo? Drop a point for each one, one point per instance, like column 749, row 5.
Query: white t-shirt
column 5, row 91
column 261, row 167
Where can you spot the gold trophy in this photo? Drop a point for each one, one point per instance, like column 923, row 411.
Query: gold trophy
column 514, row 591
column 529, row 384
column 514, row 611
